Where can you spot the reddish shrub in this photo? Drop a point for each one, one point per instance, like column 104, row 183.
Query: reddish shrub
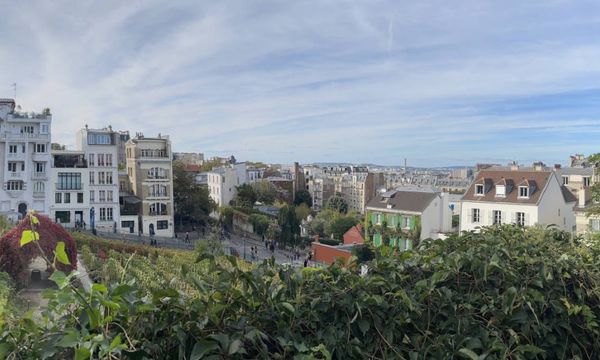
column 14, row 259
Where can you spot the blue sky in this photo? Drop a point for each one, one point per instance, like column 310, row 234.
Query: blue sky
column 317, row 81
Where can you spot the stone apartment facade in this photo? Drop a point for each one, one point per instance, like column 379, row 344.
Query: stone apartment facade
column 25, row 158
column 70, row 205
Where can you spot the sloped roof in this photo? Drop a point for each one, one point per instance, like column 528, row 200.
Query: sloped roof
column 537, row 179
column 568, row 195
column 413, row 201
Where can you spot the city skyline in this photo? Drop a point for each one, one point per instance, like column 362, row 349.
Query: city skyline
column 320, row 81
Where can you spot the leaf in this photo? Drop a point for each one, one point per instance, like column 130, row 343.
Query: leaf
column 34, row 220
column 364, row 326
column 60, row 279
column 470, row 354
column 60, row 253
column 116, row 342
column 69, row 340
column 28, row 236
column 289, row 307
column 100, row 288
column 234, row 347
column 202, row 348
column 82, row 354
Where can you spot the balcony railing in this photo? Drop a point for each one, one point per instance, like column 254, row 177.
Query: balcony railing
column 39, row 194
column 39, row 175
column 16, row 175
column 158, row 213
column 70, row 187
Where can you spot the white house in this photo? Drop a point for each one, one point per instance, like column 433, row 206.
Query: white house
column 222, row 182
column 25, row 160
column 523, row 196
column 70, row 204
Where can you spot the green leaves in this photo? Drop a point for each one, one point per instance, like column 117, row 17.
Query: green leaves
column 60, row 254
column 28, row 236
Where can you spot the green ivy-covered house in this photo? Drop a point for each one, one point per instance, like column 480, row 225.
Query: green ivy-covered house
column 399, row 218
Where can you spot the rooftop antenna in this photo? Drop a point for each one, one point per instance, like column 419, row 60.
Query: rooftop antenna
column 14, row 86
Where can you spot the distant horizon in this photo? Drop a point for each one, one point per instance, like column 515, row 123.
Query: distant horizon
column 320, row 81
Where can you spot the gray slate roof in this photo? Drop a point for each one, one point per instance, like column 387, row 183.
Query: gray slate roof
column 413, row 201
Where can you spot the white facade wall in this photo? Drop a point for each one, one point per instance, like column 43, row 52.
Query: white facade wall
column 222, row 185
column 436, row 218
column 24, row 144
column 486, row 211
column 554, row 210
column 78, row 211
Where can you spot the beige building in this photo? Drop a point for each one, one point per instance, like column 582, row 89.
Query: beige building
column 579, row 180
column 150, row 174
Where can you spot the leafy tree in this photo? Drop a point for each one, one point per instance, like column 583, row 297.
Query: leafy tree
column 192, row 201
column 289, row 225
column 302, row 212
column 594, row 208
column 303, row 197
column 226, row 217
column 321, row 224
column 57, row 146
column 246, row 197
column 260, row 223
column 265, row 191
column 337, row 203
column 208, row 165
column 341, row 224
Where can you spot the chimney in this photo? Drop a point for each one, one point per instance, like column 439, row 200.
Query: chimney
column 581, row 197
column 514, row 166
column 557, row 166
column 538, row 166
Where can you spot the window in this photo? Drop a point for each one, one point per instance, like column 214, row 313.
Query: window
column 39, row 167
column 521, row 218
column 100, row 159
column 109, row 177
column 565, row 180
column 44, row 129
column 99, row 139
column 108, row 159
column 80, row 198
column 12, row 167
column 106, row 214
column 479, row 189
column 101, row 195
column 162, row 225
column 58, row 198
column 69, row 181
column 14, row 185
column 378, row 217
column 91, row 159
column 26, row 129
column 12, row 149
column 587, row 181
column 523, row 191
column 40, row 148
column 109, row 195
column 158, row 209
column 500, row 190
column 158, row 190
column 101, row 177
column 127, row 224
column 62, row 217
column 67, row 198
column 38, row 187
column 406, row 222
column 92, row 198
column 594, row 225
column 497, row 217
column 156, row 173
column 92, row 178
column 475, row 215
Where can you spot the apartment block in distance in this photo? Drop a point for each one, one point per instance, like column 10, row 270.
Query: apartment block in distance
column 150, row 173
column 25, row 156
column 100, row 147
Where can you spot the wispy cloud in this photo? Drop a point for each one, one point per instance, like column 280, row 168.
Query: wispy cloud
column 371, row 81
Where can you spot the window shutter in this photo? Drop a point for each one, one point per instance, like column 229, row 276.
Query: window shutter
column 409, row 244
column 373, row 218
column 513, row 217
column 401, row 219
column 411, row 222
column 402, row 244
column 526, row 219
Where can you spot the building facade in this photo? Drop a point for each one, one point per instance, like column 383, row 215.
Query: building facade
column 70, row 205
column 515, row 195
column 579, row 180
column 100, row 147
column 25, row 155
column 150, row 174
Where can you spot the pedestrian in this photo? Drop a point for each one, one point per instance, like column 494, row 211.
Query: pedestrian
column 187, row 237
column 305, row 262
column 84, row 225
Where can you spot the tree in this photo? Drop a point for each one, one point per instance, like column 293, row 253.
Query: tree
column 260, row 223
column 192, row 201
column 57, row 146
column 303, row 197
column 341, row 224
column 266, row 192
column 289, row 225
column 302, row 212
column 246, row 197
column 594, row 208
column 337, row 203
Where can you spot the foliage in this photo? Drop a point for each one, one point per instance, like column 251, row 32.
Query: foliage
column 208, row 165
column 341, row 224
column 337, row 203
column 260, row 223
column 505, row 293
column 302, row 196
column 289, row 225
column 327, row 241
column 594, row 207
column 6, row 290
column 192, row 201
column 14, row 259
column 265, row 191
column 246, row 196
column 226, row 216
column 57, row 146
column 363, row 253
column 302, row 212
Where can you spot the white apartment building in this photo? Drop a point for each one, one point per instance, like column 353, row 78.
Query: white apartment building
column 222, row 182
column 25, row 156
column 70, row 205
column 100, row 147
column 523, row 196
column 320, row 190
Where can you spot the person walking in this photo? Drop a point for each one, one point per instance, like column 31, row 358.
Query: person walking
column 187, row 237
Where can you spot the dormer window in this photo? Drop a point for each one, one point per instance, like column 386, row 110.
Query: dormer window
column 523, row 191
column 500, row 190
column 479, row 189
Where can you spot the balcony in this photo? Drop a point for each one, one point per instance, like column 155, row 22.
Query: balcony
column 156, row 178
column 157, row 196
column 16, row 156
column 158, row 213
column 24, row 137
column 16, row 176
column 71, row 187
column 39, row 175
column 40, row 156
column 39, row 194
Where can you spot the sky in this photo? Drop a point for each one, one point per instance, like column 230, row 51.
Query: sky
column 437, row 82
